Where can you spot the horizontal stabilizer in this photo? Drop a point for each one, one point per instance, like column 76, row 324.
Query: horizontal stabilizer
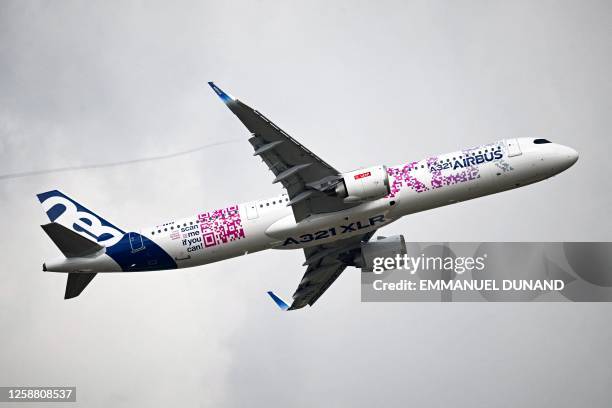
column 281, row 304
column 76, row 283
column 69, row 242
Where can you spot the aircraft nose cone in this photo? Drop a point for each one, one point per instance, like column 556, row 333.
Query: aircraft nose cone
column 571, row 156
column 561, row 158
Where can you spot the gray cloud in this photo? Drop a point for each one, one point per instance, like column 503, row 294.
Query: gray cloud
column 359, row 83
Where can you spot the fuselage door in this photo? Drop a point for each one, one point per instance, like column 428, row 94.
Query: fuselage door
column 251, row 210
column 136, row 242
column 513, row 147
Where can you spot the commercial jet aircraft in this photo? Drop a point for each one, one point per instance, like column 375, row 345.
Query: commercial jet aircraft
column 328, row 214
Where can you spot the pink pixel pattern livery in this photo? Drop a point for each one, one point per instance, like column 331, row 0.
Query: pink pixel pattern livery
column 221, row 226
column 439, row 180
column 401, row 177
column 405, row 176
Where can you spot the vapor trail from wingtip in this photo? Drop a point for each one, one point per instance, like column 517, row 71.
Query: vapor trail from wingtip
column 113, row 164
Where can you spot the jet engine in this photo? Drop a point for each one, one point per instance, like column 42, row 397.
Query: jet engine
column 364, row 184
column 383, row 247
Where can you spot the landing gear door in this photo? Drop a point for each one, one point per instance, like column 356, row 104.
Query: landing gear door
column 513, row 147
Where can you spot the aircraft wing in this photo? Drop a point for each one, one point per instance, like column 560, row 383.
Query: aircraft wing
column 325, row 263
column 305, row 176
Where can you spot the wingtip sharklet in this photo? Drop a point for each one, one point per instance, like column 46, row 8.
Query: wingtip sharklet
column 224, row 96
column 279, row 302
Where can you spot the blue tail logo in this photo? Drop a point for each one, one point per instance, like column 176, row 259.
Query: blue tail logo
column 67, row 212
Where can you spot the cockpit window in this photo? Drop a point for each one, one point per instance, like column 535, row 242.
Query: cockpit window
column 541, row 141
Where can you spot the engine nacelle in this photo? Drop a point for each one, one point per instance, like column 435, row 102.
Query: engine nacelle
column 383, row 247
column 364, row 184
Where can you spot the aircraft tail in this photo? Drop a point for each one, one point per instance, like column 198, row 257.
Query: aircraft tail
column 63, row 210
column 72, row 245
column 76, row 283
column 69, row 242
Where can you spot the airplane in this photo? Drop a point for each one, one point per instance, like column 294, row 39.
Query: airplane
column 330, row 215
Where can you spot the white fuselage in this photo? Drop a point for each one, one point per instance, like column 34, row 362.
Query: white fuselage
column 415, row 186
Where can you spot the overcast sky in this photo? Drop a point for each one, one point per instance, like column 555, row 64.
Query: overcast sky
column 359, row 83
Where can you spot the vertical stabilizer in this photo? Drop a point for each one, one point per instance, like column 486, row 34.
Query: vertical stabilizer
column 63, row 210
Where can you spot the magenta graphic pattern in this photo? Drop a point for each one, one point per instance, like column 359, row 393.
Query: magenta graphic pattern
column 468, row 174
column 438, row 180
column 221, row 226
column 436, row 175
column 401, row 177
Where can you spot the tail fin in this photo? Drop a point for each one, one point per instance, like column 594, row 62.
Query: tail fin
column 63, row 210
column 69, row 242
column 76, row 283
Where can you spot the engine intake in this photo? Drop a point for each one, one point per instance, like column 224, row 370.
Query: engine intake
column 364, row 184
